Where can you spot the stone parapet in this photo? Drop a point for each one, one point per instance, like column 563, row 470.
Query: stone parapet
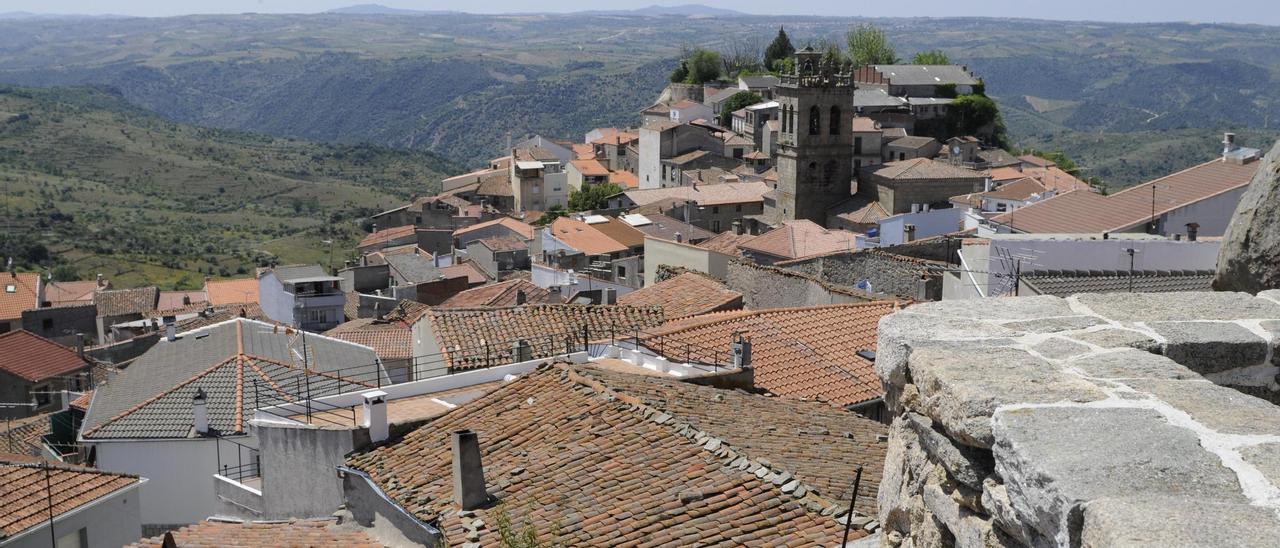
column 1095, row 420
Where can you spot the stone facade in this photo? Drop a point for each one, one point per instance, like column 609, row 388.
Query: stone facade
column 1247, row 261
column 772, row 287
column 815, row 141
column 1095, row 420
column 880, row 272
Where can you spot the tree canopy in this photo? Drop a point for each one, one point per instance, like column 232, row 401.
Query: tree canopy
column 735, row 102
column 930, row 57
column 592, row 197
column 681, row 73
column 779, row 49
column 704, row 66
column 868, row 45
column 973, row 115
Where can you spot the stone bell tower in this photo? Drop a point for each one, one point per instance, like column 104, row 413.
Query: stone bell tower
column 815, row 145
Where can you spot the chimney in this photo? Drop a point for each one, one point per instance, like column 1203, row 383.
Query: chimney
column 1228, row 144
column 609, row 296
column 739, row 350
column 909, row 232
column 986, row 185
column 520, row 297
column 1193, row 229
column 101, row 281
column 374, row 227
column 737, row 226
column 170, row 328
column 679, row 238
column 200, row 407
column 521, row 351
column 375, row 415
column 922, row 289
column 468, row 473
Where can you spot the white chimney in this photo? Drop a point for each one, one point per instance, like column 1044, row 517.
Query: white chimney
column 1228, row 144
column 375, row 415
column 200, row 408
column 739, row 350
column 170, row 328
column 468, row 472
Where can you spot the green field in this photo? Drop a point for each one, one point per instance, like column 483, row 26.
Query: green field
column 111, row 189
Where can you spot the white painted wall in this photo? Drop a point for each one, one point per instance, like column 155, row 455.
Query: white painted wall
column 1213, row 214
column 546, row 277
column 109, row 522
column 179, row 472
column 928, row 224
column 658, row 252
column 649, row 166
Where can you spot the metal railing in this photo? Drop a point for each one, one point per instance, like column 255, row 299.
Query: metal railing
column 245, row 465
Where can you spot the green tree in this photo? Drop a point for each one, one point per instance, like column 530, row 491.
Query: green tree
column 868, row 45
column 592, row 197
column 930, row 57
column 65, row 273
column 1064, row 162
column 681, row 73
column 704, row 66
column 551, row 214
column 735, row 102
column 780, row 48
column 973, row 114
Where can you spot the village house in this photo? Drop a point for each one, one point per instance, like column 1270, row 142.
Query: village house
column 391, row 236
column 919, row 184
column 868, row 142
column 35, row 370
column 538, row 179
column 910, row 148
column 390, row 335
column 118, row 306
column 666, row 140
column 586, row 173
column 180, row 413
column 514, row 292
column 301, row 296
column 761, row 85
column 503, row 227
column 613, row 148
column 22, row 291
column 56, row 505
column 710, row 207
column 499, row 256
column 685, row 111
column 235, row 291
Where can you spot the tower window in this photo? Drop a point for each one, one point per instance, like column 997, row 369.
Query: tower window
column 835, row 120
column 815, row 120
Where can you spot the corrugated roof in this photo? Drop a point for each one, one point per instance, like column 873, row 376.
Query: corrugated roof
column 931, row 75
column 1084, row 212
column 34, row 358
column 611, row 466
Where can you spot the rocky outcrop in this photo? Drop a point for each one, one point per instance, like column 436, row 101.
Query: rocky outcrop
column 1250, row 256
column 1091, row 421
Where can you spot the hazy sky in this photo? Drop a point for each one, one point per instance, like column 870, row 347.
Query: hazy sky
column 1237, row 11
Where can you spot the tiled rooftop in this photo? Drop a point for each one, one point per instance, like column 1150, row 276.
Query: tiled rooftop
column 584, row 237
column 234, row 363
column 499, row 294
column 717, row 194
column 310, row 533
column 586, row 463
column 65, row 293
column 29, row 356
column 808, row 352
column 26, row 487
column 122, row 302
column 20, row 293
column 685, row 295
column 385, row 235
column 243, row 290
column 800, row 238
column 923, row 168
column 23, row 436
column 463, row 333
column 1066, row 283
column 516, row 227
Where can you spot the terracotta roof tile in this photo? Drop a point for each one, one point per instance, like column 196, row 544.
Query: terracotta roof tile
column 584, row 237
column 590, row 168
column 624, row 179
column 687, row 294
column 924, row 168
column 727, row 243
column 386, row 235
column 179, row 300
column 34, row 358
column 714, row 194
column 63, row 293
column 499, row 295
column 25, row 495
column 242, row 290
column 524, row 230
column 480, row 337
column 587, row 465
column 310, row 533
column 800, row 238
column 21, row 292
column 1082, row 211
column 806, row 352
column 23, row 436
column 466, row 268
column 122, row 302
column 1019, row 190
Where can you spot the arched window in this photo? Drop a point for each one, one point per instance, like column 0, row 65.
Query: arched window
column 835, row 120
column 815, row 120
column 785, row 119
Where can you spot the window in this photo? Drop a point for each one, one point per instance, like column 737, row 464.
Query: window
column 317, row 315
column 40, row 393
column 815, row 120
column 715, row 226
column 738, row 208
column 75, row 539
column 46, row 324
column 902, row 156
column 834, row 122
column 715, row 209
column 622, row 271
column 857, row 145
column 737, row 154
column 10, row 288
column 857, row 164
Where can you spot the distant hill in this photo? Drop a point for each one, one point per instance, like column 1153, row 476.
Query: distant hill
column 113, row 189
column 688, row 10
column 379, row 9
column 461, row 84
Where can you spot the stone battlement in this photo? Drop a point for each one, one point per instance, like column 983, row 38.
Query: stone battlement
column 1095, row 420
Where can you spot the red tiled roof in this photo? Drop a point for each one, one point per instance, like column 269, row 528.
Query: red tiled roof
column 123, row 302
column 713, row 194
column 500, row 294
column 685, row 295
column 504, row 243
column 309, row 533
column 584, row 237
column 584, row 464
column 1082, row 211
column 523, row 229
column 31, row 488
column 466, row 268
column 61, row 293
column 590, row 168
column 174, row 300
column 34, row 358
column 806, row 352
column 924, row 168
column 81, row 402
column 624, row 179
column 800, row 238
column 24, row 436
column 386, row 235
column 243, row 290
column 1019, row 190
column 727, row 243
column 21, row 293
column 1053, row 178
column 583, row 151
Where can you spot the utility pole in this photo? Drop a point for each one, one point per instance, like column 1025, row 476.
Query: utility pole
column 1131, row 251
